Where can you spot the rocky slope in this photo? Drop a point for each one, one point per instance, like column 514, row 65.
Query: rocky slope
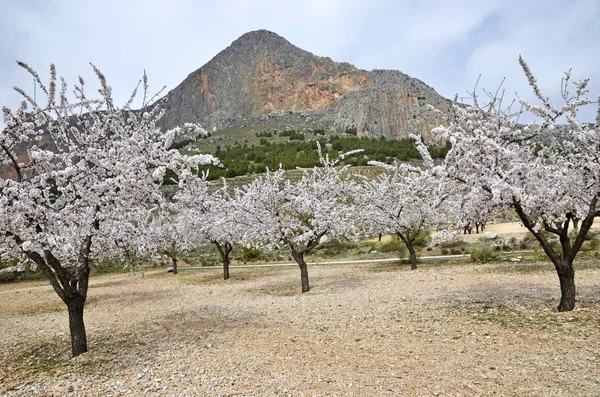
column 262, row 80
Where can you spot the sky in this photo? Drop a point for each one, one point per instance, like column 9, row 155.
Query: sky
column 446, row 44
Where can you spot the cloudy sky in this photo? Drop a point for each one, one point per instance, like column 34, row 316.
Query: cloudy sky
column 447, row 44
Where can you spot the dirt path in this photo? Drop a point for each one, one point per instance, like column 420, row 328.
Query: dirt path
column 379, row 329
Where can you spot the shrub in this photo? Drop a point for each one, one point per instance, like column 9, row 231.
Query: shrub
column 264, row 134
column 250, row 254
column 422, row 239
column 530, row 239
column 452, row 244
column 590, row 235
column 336, row 246
column 394, row 246
column 351, row 131
column 444, row 251
column 7, row 277
column 483, row 252
column 181, row 144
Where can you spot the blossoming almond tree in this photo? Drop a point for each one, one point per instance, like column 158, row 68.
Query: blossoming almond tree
column 277, row 212
column 549, row 175
column 210, row 216
column 64, row 204
column 472, row 208
column 169, row 233
column 405, row 201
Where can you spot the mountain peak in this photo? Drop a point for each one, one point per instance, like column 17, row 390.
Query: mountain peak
column 258, row 36
column 262, row 76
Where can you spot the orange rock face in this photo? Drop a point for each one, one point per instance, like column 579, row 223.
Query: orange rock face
column 286, row 89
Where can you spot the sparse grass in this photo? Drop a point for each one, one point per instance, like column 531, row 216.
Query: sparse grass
column 282, row 291
column 43, row 356
column 400, row 265
column 50, row 305
column 522, row 315
column 483, row 252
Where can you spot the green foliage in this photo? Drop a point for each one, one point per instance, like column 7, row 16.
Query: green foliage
column 250, row 254
column 293, row 135
column 264, row 134
column 181, row 144
column 334, row 247
column 590, row 236
column 351, row 131
column 422, row 239
column 452, row 244
column 395, row 245
column 170, row 178
column 483, row 252
column 108, row 267
column 8, row 277
column 298, row 152
column 529, row 238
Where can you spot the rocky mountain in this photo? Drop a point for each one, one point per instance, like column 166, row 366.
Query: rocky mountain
column 263, row 82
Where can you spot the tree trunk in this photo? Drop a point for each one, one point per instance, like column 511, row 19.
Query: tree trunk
column 224, row 249
column 226, row 268
column 563, row 263
column 413, row 257
column 566, row 276
column 299, row 258
column 408, row 241
column 576, row 223
column 174, row 261
column 76, row 327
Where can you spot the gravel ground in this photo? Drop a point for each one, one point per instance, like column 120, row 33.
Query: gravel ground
column 369, row 330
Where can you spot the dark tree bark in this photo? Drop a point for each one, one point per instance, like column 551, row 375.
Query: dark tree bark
column 174, row 262
column 224, row 249
column 173, row 255
column 298, row 255
column 409, row 239
column 299, row 258
column 566, row 276
column 468, row 228
column 563, row 261
column 76, row 325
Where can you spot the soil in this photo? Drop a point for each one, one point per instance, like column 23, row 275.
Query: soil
column 450, row 329
column 506, row 229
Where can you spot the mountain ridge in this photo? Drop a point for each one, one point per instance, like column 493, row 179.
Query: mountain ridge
column 262, row 81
